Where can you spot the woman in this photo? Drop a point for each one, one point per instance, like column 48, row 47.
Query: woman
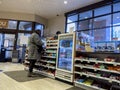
column 33, row 43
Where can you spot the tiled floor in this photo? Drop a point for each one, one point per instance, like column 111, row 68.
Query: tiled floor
column 7, row 83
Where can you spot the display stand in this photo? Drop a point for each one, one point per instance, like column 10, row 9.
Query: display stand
column 66, row 43
column 47, row 64
column 96, row 70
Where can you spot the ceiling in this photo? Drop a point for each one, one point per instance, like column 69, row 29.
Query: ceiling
column 45, row 8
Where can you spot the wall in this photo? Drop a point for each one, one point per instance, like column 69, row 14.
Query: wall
column 51, row 25
column 55, row 24
column 23, row 16
column 41, row 20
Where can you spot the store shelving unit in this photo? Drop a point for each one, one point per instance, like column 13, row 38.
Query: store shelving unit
column 65, row 58
column 26, row 62
column 47, row 64
column 92, row 67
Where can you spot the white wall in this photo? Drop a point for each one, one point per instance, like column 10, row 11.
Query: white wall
column 23, row 16
column 55, row 24
column 52, row 25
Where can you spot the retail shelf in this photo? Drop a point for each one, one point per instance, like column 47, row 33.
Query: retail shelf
column 89, row 75
column 44, row 73
column 43, row 60
column 116, row 81
column 51, row 47
column 105, row 70
column 26, row 61
column 100, row 52
column 52, row 41
column 96, row 61
column 103, row 78
column 52, row 67
column 88, row 86
column 51, row 51
column 53, row 62
column 49, row 56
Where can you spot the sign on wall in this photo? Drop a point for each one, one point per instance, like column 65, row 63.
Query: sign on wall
column 3, row 23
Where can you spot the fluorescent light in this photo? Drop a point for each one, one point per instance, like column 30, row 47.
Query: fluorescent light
column 65, row 2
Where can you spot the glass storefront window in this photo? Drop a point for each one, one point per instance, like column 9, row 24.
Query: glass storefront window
column 116, row 33
column 12, row 24
column 102, row 10
column 86, row 24
column 116, row 19
column 22, row 34
column 102, row 21
column 71, row 27
column 25, row 26
column 102, row 34
column 85, row 15
column 19, row 45
column 9, row 44
column 116, row 7
column 39, row 27
column 84, row 37
column 72, row 18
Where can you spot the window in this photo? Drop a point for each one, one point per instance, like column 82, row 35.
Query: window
column 25, row 26
column 39, row 26
column 72, row 18
column 102, row 34
column 102, row 10
column 116, row 19
column 71, row 27
column 103, row 21
column 86, row 24
column 116, row 33
column 12, row 24
column 85, row 15
column 116, row 7
column 22, row 34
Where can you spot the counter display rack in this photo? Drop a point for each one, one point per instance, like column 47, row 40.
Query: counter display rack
column 26, row 62
column 97, row 71
column 47, row 64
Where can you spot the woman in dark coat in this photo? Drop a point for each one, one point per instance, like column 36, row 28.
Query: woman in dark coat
column 33, row 43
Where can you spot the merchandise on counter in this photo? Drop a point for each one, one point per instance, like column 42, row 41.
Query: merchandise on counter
column 80, row 80
column 109, row 59
column 107, row 75
column 96, row 65
column 88, row 81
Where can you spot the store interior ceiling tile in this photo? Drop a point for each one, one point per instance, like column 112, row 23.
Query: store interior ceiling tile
column 45, row 8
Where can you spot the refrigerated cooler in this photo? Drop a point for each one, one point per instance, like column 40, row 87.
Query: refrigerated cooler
column 66, row 48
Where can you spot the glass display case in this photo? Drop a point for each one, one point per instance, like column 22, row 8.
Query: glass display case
column 65, row 53
column 65, row 56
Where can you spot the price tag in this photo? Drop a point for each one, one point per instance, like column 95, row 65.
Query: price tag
column 96, row 62
column 95, row 69
column 81, row 67
column 115, row 64
column 110, row 80
column 81, row 74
